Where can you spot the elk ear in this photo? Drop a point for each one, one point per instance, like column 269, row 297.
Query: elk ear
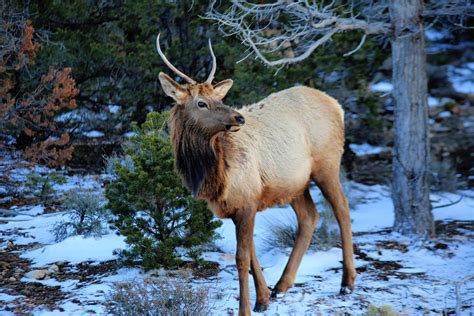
column 172, row 88
column 220, row 89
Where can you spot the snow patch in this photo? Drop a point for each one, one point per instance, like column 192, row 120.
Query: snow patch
column 130, row 134
column 114, row 109
column 381, row 87
column 462, row 78
column 8, row 298
column 35, row 210
column 366, row 149
column 77, row 249
column 93, row 134
column 444, row 114
column 459, row 206
column 435, row 35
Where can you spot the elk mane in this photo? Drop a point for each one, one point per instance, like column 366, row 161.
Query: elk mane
column 199, row 159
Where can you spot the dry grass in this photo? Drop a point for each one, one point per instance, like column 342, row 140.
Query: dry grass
column 164, row 295
column 283, row 233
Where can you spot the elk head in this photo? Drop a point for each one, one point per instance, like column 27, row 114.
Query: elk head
column 201, row 103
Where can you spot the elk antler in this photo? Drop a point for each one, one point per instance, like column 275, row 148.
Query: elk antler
column 179, row 73
column 214, row 65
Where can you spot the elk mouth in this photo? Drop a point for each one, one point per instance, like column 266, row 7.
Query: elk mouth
column 232, row 128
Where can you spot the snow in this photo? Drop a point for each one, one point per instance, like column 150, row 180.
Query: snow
column 31, row 228
column 425, row 280
column 319, row 281
column 468, row 124
column 435, row 35
column 8, row 298
column 93, row 134
column 36, row 210
column 77, row 249
column 74, row 116
column 462, row 77
column 114, row 109
column 444, row 114
column 130, row 134
column 438, row 102
column 382, row 86
column 81, row 115
column 463, row 209
column 433, row 102
column 366, row 149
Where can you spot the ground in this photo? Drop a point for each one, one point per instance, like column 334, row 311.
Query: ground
column 410, row 277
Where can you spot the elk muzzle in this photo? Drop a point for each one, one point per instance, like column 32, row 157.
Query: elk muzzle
column 235, row 126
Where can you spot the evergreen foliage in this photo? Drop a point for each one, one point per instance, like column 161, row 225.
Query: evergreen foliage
column 111, row 47
column 152, row 208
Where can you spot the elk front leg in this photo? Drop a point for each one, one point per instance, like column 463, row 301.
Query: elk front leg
column 244, row 223
column 263, row 293
column 307, row 216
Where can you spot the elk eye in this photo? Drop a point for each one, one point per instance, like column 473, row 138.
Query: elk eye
column 202, row 104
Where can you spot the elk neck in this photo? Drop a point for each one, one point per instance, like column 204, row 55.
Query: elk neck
column 200, row 157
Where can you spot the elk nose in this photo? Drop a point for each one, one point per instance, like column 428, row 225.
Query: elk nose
column 240, row 119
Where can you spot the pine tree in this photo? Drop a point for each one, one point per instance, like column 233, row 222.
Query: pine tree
column 152, row 208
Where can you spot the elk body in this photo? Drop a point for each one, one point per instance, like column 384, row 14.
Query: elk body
column 267, row 153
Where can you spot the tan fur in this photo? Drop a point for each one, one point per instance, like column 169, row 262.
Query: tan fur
column 278, row 149
column 288, row 139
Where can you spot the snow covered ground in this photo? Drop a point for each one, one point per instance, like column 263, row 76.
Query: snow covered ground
column 411, row 277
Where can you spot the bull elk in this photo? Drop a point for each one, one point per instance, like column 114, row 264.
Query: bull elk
column 265, row 154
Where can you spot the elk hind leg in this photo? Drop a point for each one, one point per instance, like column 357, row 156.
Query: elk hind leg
column 331, row 188
column 307, row 216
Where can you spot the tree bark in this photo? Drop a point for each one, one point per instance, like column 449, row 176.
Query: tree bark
column 410, row 187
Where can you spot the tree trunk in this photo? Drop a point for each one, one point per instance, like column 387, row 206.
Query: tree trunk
column 410, row 187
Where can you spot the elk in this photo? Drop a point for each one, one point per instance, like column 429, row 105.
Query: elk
column 268, row 153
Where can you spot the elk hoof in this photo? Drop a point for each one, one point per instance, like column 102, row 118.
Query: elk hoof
column 259, row 307
column 345, row 290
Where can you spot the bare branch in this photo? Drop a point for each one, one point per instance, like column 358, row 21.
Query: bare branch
column 285, row 61
column 454, row 12
column 361, row 43
column 294, row 29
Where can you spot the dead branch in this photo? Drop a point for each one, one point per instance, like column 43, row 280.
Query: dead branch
column 294, row 29
column 282, row 25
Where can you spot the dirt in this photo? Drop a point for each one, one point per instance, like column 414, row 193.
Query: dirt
column 203, row 270
column 33, row 294
column 85, row 272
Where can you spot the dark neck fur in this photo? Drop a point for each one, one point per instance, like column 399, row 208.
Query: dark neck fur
column 199, row 157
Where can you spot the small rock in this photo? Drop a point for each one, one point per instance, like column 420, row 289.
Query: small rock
column 53, row 268
column 10, row 245
column 37, row 274
column 12, row 279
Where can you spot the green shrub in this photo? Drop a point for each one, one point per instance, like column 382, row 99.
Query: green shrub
column 87, row 217
column 158, row 296
column 153, row 209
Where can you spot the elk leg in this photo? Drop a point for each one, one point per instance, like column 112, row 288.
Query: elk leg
column 332, row 191
column 307, row 216
column 244, row 223
column 263, row 293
